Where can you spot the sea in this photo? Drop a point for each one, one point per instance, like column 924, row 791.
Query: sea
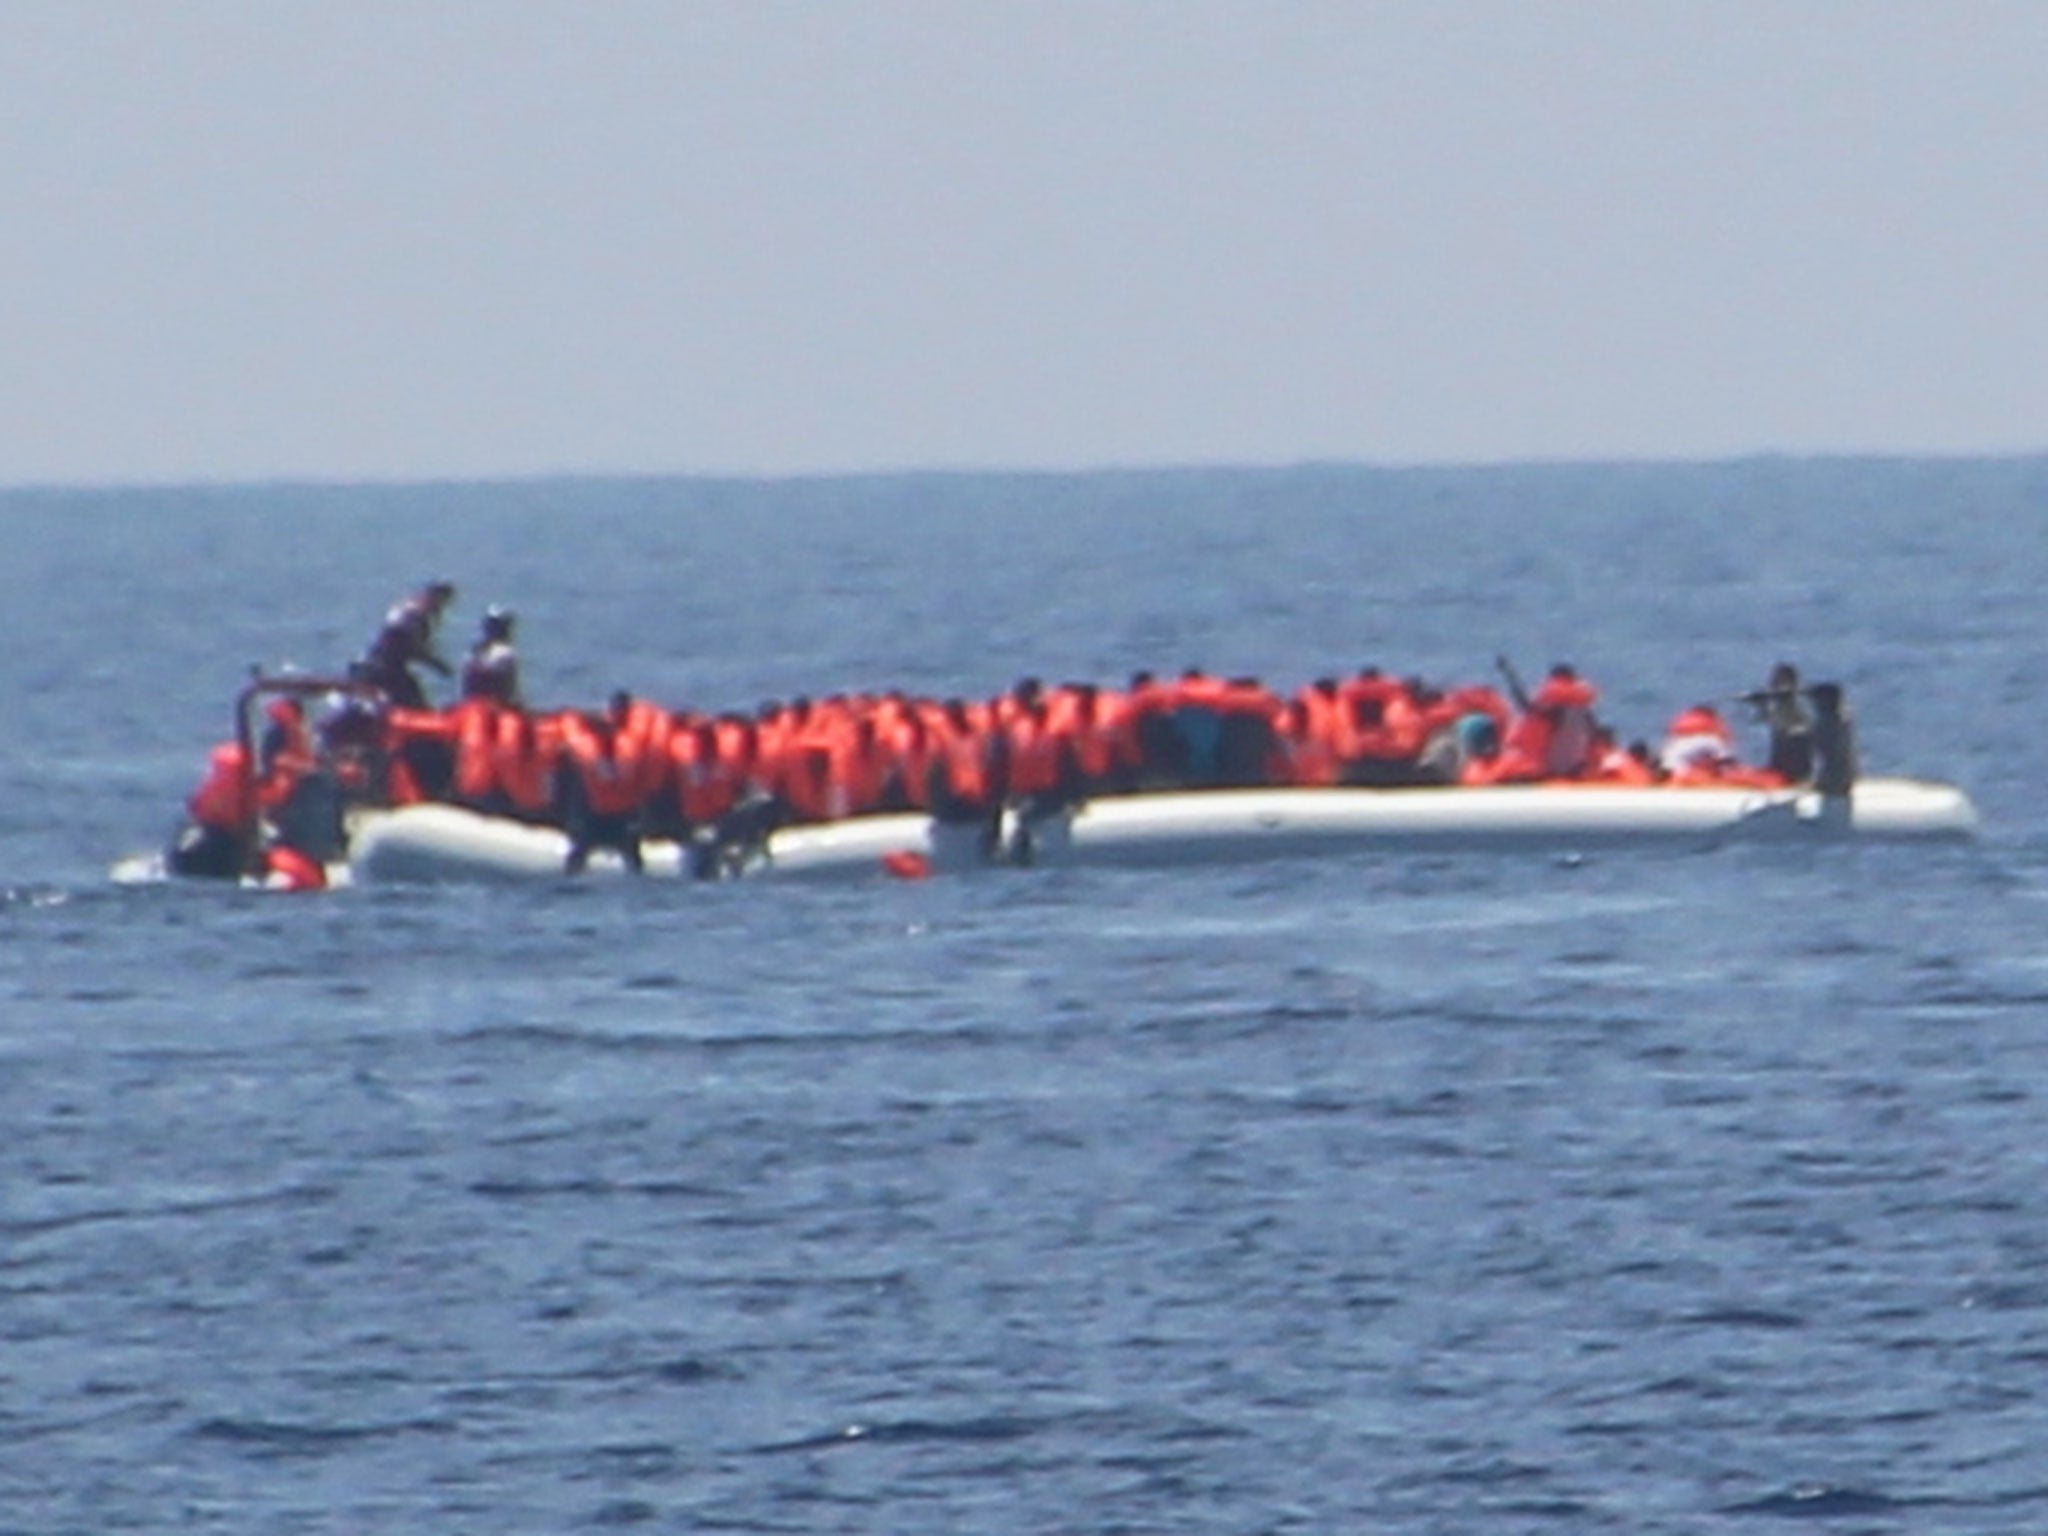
column 1674, row 1190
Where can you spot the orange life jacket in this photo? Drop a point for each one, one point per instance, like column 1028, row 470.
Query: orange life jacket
column 606, row 762
column 525, row 751
column 963, row 757
column 707, row 787
column 226, row 797
column 1618, row 765
column 476, row 755
column 1034, row 758
column 1302, row 754
column 856, row 771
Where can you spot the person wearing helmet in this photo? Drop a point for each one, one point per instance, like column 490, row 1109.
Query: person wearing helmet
column 492, row 668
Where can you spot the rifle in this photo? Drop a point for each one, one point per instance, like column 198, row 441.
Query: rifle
column 1514, row 681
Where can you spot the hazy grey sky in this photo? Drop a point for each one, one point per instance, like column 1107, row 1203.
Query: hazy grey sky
column 249, row 238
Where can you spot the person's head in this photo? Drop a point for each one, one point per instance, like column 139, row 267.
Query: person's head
column 440, row 594
column 1827, row 698
column 498, row 622
column 618, row 706
column 1478, row 736
column 1784, row 678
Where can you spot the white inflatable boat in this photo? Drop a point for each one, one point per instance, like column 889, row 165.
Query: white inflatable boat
column 445, row 843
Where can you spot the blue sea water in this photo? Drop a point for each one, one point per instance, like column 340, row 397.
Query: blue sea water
column 1641, row 1192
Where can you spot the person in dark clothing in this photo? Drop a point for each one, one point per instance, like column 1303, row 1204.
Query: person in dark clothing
column 406, row 640
column 1835, row 763
column 1781, row 706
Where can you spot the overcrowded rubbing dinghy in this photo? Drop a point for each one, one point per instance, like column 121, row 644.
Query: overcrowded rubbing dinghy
column 358, row 777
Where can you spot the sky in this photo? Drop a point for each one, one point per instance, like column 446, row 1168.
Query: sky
column 424, row 239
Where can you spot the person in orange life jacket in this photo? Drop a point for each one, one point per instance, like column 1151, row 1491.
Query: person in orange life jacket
column 706, row 787
column 475, row 780
column 302, row 800
column 603, row 786
column 525, row 757
column 1325, row 719
column 353, row 744
column 1554, row 733
column 802, row 766
column 1615, row 764
column 406, row 640
column 286, row 753
column 1182, row 728
column 1032, row 768
column 1078, row 714
column 792, row 760
column 1245, row 708
column 491, row 670
column 421, row 748
column 963, row 785
column 1480, row 759
column 1300, row 754
column 1698, row 745
column 856, row 771
column 1150, row 736
column 755, row 812
column 907, row 751
column 1384, row 727
column 219, row 839
column 1115, row 728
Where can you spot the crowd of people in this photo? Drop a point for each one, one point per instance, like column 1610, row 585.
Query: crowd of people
column 718, row 781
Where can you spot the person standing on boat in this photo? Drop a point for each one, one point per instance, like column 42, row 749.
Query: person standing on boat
column 1781, row 707
column 603, row 785
column 491, row 670
column 405, row 641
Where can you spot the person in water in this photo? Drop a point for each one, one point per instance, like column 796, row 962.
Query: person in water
column 491, row 670
column 405, row 641
column 1781, row 707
